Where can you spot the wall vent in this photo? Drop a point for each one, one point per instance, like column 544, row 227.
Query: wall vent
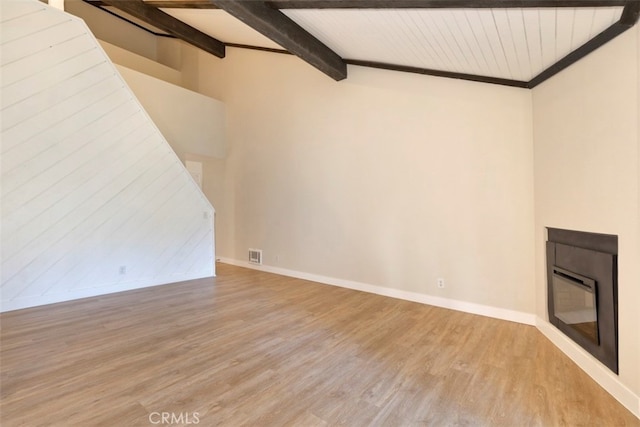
column 255, row 256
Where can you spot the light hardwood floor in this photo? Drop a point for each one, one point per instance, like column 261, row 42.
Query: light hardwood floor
column 257, row 349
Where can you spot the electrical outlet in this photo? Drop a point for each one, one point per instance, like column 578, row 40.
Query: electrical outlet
column 123, row 269
column 440, row 282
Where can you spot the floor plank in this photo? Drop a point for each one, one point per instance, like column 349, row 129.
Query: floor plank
column 256, row 349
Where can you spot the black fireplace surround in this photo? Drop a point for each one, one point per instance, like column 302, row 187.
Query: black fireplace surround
column 582, row 290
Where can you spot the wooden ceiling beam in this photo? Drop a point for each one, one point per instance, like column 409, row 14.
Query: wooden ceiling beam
column 283, row 30
column 438, row 73
column 168, row 23
column 395, row 4
column 182, row 4
column 422, row 4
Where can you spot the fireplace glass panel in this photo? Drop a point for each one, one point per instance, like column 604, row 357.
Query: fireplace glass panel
column 574, row 299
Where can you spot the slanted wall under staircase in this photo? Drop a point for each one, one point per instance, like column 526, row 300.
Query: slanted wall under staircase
column 94, row 200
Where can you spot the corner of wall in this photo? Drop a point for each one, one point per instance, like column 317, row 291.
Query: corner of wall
column 587, row 177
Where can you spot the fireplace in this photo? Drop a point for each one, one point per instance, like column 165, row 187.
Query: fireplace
column 582, row 290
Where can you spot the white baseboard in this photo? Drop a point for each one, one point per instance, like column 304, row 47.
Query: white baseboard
column 596, row 370
column 467, row 307
column 27, row 302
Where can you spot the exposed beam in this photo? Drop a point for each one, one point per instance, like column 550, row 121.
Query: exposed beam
column 395, row 4
column 438, row 73
column 258, row 48
column 168, row 23
column 630, row 14
column 281, row 29
column 628, row 19
column 182, row 4
column 420, row 4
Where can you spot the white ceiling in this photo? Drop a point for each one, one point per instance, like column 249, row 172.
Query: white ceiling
column 222, row 26
column 514, row 43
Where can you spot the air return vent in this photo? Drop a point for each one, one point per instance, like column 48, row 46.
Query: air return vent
column 255, row 256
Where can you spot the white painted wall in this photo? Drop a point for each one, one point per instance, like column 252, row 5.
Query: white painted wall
column 139, row 63
column 191, row 122
column 88, row 182
column 587, row 172
column 386, row 179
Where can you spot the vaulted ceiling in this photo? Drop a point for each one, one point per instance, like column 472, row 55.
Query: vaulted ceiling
column 511, row 42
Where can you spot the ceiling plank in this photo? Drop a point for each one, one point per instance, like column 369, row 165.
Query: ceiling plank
column 168, row 23
column 395, row 4
column 283, row 30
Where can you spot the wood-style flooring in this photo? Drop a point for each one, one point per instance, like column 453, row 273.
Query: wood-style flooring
column 256, row 349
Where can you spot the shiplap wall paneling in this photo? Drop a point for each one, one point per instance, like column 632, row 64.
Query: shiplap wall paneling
column 94, row 200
